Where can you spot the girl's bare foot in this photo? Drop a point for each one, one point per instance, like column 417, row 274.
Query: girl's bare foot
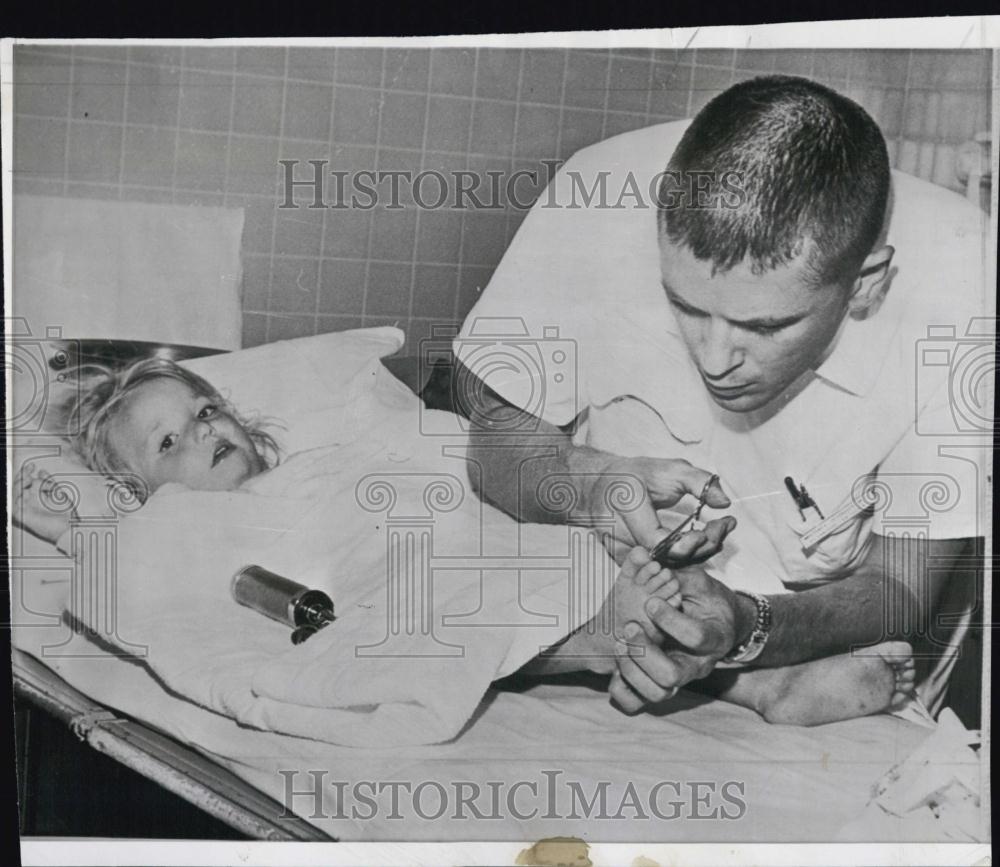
column 595, row 645
column 640, row 577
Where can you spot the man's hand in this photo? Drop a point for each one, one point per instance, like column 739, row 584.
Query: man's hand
column 521, row 466
column 635, row 488
column 710, row 623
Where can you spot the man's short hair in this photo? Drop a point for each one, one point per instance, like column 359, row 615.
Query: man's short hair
column 809, row 164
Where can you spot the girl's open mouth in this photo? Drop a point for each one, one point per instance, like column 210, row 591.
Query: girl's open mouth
column 222, row 450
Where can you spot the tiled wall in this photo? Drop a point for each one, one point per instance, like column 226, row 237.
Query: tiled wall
column 207, row 125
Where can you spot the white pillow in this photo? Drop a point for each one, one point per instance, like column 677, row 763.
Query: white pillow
column 317, row 390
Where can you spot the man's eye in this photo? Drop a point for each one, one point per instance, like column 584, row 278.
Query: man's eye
column 167, row 442
column 766, row 329
column 207, row 411
column 682, row 308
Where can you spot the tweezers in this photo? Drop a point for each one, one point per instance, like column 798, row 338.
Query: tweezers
column 662, row 549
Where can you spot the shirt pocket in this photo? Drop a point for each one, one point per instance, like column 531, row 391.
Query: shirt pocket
column 831, row 548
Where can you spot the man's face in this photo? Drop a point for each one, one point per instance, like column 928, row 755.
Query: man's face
column 750, row 335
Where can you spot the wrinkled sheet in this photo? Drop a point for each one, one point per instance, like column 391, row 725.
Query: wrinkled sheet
column 798, row 784
column 436, row 594
column 566, row 734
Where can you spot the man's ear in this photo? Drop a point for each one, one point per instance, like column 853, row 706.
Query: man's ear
column 870, row 284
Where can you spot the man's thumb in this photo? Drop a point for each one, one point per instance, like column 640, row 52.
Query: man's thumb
column 716, row 497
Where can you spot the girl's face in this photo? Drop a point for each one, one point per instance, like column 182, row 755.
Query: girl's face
column 168, row 433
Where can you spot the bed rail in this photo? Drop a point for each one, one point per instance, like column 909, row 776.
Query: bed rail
column 177, row 768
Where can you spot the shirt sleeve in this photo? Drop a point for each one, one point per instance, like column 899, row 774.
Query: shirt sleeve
column 521, row 337
column 936, row 478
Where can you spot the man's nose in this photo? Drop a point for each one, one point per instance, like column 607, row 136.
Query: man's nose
column 720, row 353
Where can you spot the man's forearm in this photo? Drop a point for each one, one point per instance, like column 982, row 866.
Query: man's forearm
column 542, row 478
column 894, row 594
column 824, row 621
column 526, row 466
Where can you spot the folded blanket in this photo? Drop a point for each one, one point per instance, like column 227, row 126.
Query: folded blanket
column 436, row 593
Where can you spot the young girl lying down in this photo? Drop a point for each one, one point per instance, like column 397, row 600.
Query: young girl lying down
column 155, row 422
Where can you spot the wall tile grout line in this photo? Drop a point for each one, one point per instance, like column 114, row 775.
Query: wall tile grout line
column 274, row 225
column 690, row 89
column 460, row 254
column 177, row 127
column 649, row 90
column 562, row 103
column 69, row 122
column 229, row 138
column 901, row 135
column 321, row 267
column 121, row 151
column 513, row 148
column 370, row 219
column 416, row 221
column 607, row 93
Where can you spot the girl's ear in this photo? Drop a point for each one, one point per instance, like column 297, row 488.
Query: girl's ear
column 871, row 283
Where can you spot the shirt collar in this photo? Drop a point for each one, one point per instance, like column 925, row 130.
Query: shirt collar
column 853, row 364
column 856, row 356
column 675, row 391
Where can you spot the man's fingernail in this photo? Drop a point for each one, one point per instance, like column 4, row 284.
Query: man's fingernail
column 654, row 606
column 632, row 630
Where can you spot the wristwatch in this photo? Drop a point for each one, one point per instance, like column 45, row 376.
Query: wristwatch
column 754, row 645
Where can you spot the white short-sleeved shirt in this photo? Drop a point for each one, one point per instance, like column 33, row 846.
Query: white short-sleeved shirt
column 575, row 321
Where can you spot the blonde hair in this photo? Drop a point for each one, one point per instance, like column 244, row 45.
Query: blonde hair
column 104, row 393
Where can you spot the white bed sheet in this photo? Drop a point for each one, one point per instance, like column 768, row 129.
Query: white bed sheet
column 572, row 730
column 569, row 731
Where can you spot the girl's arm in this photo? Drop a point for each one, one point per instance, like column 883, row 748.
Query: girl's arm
column 38, row 505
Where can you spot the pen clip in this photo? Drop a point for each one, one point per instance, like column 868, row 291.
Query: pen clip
column 796, row 495
column 802, row 498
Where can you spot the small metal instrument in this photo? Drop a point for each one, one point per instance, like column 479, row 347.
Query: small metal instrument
column 306, row 611
column 662, row 549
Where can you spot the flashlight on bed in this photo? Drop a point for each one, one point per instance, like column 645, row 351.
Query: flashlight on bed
column 306, row 611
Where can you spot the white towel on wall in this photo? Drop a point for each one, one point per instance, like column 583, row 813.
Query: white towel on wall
column 128, row 270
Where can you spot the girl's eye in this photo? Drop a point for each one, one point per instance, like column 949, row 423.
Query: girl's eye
column 167, row 442
column 207, row 411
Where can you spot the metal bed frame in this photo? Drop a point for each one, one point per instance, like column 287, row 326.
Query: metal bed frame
column 158, row 758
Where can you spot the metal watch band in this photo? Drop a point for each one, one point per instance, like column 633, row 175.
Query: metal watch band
column 754, row 645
